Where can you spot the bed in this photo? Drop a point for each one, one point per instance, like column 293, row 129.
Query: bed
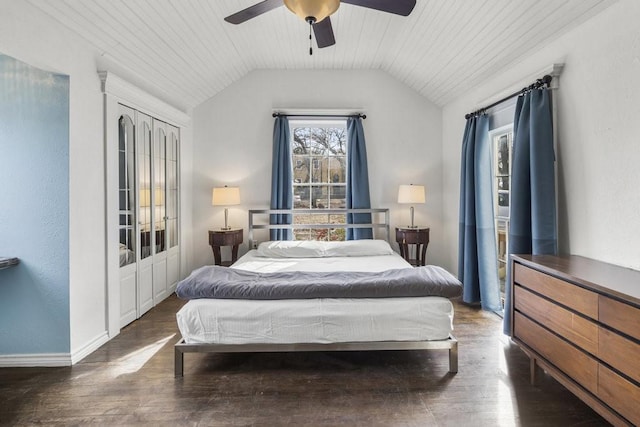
column 273, row 313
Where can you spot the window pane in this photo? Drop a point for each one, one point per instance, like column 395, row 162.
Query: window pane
column 503, row 155
column 318, row 169
column 337, row 234
column 337, row 197
column 338, row 169
column 337, row 219
column 311, row 219
column 301, row 170
column 301, row 197
column 320, row 197
column 302, row 234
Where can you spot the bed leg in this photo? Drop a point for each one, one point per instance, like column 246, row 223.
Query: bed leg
column 453, row 358
column 179, row 363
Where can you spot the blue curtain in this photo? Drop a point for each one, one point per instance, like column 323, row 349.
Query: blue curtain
column 533, row 226
column 477, row 263
column 357, row 180
column 281, row 179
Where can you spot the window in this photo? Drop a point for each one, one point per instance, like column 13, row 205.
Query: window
column 319, row 151
column 502, row 147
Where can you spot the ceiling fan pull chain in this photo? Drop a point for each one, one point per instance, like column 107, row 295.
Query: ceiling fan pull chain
column 310, row 40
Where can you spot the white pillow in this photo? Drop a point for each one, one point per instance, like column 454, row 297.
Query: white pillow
column 364, row 247
column 291, row 249
column 320, row 249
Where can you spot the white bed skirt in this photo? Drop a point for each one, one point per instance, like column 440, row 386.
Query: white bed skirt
column 324, row 320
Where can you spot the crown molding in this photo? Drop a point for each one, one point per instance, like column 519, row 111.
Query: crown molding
column 134, row 97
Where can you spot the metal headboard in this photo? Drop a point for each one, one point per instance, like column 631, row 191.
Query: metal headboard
column 264, row 225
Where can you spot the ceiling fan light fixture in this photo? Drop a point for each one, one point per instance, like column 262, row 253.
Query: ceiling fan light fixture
column 317, row 9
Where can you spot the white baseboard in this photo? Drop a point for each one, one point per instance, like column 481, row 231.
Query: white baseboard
column 89, row 348
column 52, row 359
column 35, row 360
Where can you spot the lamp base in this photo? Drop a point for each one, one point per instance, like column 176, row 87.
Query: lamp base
column 226, row 220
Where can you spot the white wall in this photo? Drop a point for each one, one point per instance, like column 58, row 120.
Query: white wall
column 30, row 36
column 598, row 154
column 233, row 136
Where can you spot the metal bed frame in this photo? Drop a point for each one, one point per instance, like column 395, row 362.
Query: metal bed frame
column 450, row 343
column 374, row 224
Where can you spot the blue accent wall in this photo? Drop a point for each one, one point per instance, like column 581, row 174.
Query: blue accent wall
column 34, row 209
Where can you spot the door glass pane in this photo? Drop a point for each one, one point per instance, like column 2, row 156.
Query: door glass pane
column 172, row 189
column 159, row 193
column 144, row 184
column 126, row 193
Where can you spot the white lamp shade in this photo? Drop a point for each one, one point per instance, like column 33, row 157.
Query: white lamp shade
column 225, row 196
column 411, row 194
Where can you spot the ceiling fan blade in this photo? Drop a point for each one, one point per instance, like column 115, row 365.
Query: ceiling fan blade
column 399, row 7
column 324, row 33
column 253, row 11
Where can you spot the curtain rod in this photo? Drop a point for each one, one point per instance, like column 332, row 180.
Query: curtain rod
column 545, row 80
column 333, row 116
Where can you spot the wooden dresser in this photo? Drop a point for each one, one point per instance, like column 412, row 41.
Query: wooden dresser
column 579, row 320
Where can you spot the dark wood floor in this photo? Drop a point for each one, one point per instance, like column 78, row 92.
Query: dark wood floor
column 129, row 381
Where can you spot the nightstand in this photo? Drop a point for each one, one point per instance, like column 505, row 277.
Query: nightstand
column 418, row 236
column 219, row 238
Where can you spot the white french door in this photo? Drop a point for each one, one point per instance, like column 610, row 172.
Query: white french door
column 145, row 216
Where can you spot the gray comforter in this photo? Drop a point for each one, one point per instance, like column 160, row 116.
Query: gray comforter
column 229, row 283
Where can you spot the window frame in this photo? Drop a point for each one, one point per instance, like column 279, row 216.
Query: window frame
column 316, row 163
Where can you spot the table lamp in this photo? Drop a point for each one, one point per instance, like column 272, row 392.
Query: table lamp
column 225, row 196
column 411, row 194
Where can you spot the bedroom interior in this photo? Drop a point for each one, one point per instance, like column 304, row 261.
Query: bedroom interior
column 208, row 92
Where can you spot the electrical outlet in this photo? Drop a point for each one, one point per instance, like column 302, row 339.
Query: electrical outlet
column 255, row 244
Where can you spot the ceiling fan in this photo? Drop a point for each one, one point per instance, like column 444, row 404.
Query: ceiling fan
column 317, row 13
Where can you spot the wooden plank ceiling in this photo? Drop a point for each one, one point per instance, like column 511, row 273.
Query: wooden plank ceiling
column 183, row 51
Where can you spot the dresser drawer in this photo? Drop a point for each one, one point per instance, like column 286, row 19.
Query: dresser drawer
column 620, row 394
column 579, row 299
column 580, row 331
column 619, row 352
column 623, row 317
column 573, row 362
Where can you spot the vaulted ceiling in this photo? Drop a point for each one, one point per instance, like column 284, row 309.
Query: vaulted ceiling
column 184, row 52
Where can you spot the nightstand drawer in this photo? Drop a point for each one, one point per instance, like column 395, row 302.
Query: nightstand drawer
column 225, row 238
column 412, row 236
column 579, row 299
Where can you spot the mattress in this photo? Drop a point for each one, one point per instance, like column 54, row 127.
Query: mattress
column 319, row 320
